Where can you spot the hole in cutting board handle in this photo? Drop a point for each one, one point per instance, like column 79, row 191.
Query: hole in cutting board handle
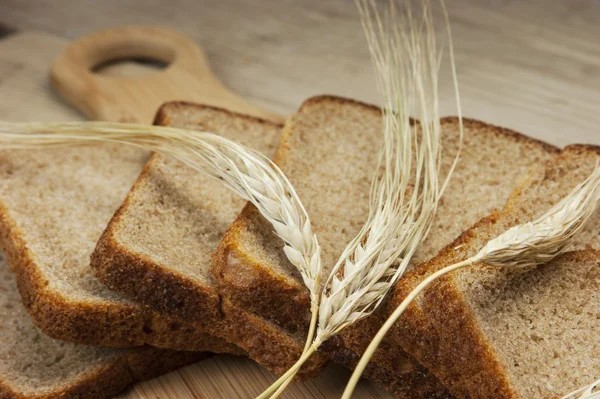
column 130, row 67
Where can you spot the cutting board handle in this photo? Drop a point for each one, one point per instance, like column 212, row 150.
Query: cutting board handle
column 187, row 77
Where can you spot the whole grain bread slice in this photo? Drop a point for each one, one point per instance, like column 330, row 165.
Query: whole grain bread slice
column 35, row 366
column 334, row 184
column 54, row 205
column 492, row 161
column 157, row 248
column 496, row 334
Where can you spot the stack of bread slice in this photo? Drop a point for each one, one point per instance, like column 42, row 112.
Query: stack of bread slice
column 33, row 365
column 173, row 261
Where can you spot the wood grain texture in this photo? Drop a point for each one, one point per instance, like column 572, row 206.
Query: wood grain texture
column 533, row 66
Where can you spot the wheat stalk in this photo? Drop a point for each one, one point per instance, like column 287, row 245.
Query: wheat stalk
column 398, row 221
column 587, row 392
column 522, row 246
column 404, row 198
column 246, row 172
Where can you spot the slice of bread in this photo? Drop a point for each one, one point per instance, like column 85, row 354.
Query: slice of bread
column 157, row 248
column 54, row 205
column 33, row 365
column 492, row 161
column 495, row 333
column 333, row 181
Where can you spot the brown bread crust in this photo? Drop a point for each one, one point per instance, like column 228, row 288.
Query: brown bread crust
column 414, row 332
column 107, row 381
column 151, row 283
column 145, row 281
column 407, row 380
column 262, row 292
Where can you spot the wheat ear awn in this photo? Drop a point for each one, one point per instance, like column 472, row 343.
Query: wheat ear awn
column 521, row 246
column 405, row 195
column 405, row 199
column 246, row 172
column 589, row 392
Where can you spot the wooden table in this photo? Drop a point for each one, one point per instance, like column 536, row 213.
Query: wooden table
column 533, row 66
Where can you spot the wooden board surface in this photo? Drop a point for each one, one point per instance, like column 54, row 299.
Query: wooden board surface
column 533, row 66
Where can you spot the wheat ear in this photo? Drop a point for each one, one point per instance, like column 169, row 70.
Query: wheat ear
column 404, row 201
column 521, row 246
column 589, row 392
column 404, row 197
column 246, row 172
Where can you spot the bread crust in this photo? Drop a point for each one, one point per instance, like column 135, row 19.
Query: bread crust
column 142, row 279
column 407, row 380
column 265, row 293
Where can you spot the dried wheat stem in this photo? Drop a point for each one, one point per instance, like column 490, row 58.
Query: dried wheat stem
column 246, row 172
column 588, row 392
column 522, row 246
column 288, row 381
column 404, row 197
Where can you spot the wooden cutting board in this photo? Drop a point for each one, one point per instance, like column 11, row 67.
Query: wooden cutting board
column 26, row 95
column 111, row 96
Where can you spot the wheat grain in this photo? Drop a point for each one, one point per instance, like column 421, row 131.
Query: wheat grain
column 589, row 392
column 404, row 197
column 246, row 172
column 520, row 247
column 404, row 201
